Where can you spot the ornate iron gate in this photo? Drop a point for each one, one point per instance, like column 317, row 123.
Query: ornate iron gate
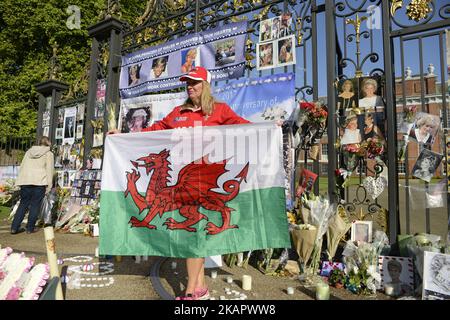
column 336, row 40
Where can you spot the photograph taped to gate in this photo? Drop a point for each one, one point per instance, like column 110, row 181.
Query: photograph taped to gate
column 426, row 165
column 265, row 53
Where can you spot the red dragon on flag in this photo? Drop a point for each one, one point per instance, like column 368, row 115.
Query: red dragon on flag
column 191, row 191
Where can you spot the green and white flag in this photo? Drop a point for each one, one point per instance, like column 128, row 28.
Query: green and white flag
column 193, row 192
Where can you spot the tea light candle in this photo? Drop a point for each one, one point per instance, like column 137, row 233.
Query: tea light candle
column 173, row 264
column 213, row 274
column 229, row 280
column 389, row 289
column 290, row 290
column 322, row 291
column 246, row 282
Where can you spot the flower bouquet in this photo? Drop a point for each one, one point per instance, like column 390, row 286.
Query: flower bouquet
column 312, row 122
column 337, row 278
column 352, row 153
column 320, row 212
column 361, row 263
column 409, row 113
column 372, row 148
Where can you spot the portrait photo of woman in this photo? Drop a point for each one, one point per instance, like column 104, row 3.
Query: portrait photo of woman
column 136, row 119
column 369, row 98
column 265, row 55
column 286, row 51
column 134, row 74
column 159, row 67
column 425, row 128
column 352, row 134
column 347, row 99
column 188, row 60
column 265, row 31
column 426, row 165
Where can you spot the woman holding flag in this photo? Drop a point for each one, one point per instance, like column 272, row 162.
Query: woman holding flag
column 200, row 109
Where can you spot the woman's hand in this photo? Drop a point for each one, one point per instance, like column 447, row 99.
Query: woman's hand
column 113, row 131
column 280, row 122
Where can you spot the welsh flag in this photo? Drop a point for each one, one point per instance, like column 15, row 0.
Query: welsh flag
column 193, row 192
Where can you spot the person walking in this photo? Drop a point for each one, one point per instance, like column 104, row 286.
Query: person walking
column 35, row 180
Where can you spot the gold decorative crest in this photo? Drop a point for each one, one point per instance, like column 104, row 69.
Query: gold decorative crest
column 418, row 9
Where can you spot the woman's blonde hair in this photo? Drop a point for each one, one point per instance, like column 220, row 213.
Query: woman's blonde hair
column 206, row 100
column 192, row 53
column 348, row 82
column 371, row 82
column 425, row 120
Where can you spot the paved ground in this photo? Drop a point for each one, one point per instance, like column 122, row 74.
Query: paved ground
column 128, row 280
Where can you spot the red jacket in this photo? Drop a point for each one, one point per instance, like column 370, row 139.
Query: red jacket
column 179, row 118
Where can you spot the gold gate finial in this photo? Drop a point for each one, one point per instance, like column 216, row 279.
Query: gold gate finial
column 357, row 24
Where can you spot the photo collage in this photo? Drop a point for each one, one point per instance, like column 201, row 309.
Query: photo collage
column 361, row 118
column 86, row 186
column 276, row 47
column 68, row 137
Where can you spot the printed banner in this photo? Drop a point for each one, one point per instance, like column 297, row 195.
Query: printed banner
column 260, row 99
column 193, row 192
column 141, row 112
column 220, row 50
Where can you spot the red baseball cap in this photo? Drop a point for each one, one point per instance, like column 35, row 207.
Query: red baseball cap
column 198, row 73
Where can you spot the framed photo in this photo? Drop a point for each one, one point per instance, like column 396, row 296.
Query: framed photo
column 59, row 133
column 397, row 274
column 286, row 51
column 80, row 112
column 361, row 231
column 266, row 56
column 79, row 131
column 436, row 276
column 425, row 128
column 426, row 165
column 46, row 131
column 135, row 119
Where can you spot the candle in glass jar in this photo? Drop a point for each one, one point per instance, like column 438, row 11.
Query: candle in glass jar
column 322, row 291
column 213, row 274
column 229, row 279
column 389, row 289
column 290, row 290
column 246, row 282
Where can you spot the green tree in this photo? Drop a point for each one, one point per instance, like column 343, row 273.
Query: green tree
column 28, row 29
